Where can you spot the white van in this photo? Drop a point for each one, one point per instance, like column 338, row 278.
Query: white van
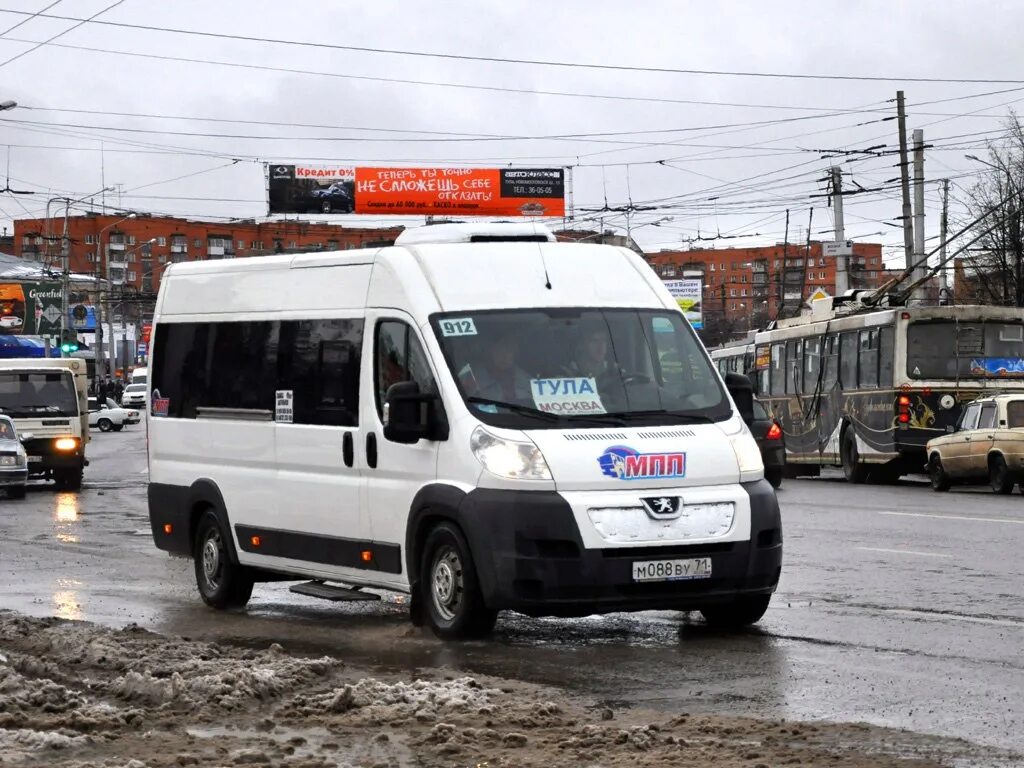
column 139, row 375
column 477, row 416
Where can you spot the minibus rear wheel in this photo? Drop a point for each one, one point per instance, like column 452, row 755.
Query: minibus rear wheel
column 740, row 613
column 450, row 589
column 223, row 584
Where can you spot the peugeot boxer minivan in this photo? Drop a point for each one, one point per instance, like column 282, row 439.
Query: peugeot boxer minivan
column 477, row 416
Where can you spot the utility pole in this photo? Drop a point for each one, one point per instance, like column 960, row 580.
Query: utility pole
column 919, row 253
column 65, row 282
column 842, row 260
column 908, row 221
column 944, row 228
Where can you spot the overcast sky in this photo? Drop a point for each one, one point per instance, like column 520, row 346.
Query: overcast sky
column 756, row 171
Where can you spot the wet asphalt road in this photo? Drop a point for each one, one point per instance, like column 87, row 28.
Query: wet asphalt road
column 898, row 606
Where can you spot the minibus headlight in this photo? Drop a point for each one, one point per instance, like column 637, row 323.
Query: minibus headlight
column 509, row 459
column 748, row 456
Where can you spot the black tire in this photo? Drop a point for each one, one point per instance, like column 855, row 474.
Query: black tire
column 940, row 480
column 740, row 613
column 449, row 588
column 105, row 425
column 774, row 476
column 222, row 583
column 855, row 471
column 999, row 476
column 17, row 492
column 68, row 479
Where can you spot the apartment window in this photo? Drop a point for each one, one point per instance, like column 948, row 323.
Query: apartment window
column 872, row 261
column 723, row 266
column 743, row 278
column 332, row 245
column 732, row 294
column 293, row 244
column 197, row 243
column 241, row 245
column 777, row 263
column 116, row 238
column 161, row 241
column 712, row 267
column 90, row 239
column 821, row 262
column 821, row 275
column 743, row 292
column 130, row 277
column 162, row 259
column 257, row 245
column 131, row 258
column 177, row 258
column 131, row 239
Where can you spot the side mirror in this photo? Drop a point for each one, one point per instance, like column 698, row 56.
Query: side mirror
column 410, row 415
column 742, row 393
column 25, row 436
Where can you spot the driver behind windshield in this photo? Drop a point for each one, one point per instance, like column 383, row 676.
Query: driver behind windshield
column 500, row 377
column 6, row 431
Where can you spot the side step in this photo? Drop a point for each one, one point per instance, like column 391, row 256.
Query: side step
column 330, row 592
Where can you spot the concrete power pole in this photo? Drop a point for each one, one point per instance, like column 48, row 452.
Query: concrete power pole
column 842, row 260
column 921, row 269
column 944, row 297
column 908, row 221
column 65, row 277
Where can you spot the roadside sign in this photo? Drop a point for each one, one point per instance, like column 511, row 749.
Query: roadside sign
column 833, row 248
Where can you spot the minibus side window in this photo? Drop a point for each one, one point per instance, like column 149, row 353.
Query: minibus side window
column 319, row 362
column 400, row 357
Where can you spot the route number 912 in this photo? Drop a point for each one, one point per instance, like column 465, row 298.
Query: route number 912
column 458, row 326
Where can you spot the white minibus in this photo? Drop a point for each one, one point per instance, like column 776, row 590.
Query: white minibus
column 477, row 416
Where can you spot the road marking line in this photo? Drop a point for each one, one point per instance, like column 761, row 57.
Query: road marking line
column 901, row 552
column 958, row 517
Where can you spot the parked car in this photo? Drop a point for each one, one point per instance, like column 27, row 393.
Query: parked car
column 109, row 415
column 13, row 460
column 768, row 434
column 987, row 446
column 134, row 394
column 336, row 198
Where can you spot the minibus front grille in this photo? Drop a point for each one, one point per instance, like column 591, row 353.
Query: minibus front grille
column 657, row 553
column 577, row 436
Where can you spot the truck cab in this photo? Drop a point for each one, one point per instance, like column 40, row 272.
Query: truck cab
column 47, row 401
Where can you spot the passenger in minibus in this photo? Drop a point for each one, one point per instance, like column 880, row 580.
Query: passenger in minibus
column 501, row 377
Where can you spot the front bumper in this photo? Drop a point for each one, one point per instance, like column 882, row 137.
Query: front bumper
column 530, row 558
column 13, row 477
column 50, row 458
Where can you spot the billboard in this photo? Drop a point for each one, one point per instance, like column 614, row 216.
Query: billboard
column 30, row 309
column 687, row 294
column 501, row 192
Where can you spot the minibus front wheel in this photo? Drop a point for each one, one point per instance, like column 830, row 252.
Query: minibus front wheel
column 450, row 588
column 740, row 613
column 223, row 584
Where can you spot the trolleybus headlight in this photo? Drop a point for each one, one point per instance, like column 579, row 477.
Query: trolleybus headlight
column 510, row 459
column 66, row 444
column 748, row 456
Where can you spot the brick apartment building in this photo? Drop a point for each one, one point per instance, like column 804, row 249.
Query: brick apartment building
column 127, row 242
column 743, row 286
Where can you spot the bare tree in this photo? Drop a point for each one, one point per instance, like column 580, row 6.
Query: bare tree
column 995, row 263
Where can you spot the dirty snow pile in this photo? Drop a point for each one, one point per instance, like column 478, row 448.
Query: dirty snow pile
column 73, row 695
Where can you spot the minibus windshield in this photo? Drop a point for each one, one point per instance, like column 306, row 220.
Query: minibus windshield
column 558, row 368
column 32, row 395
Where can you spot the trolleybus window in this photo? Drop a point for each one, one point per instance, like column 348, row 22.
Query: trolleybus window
column 831, row 362
column 946, row 350
column 848, row 360
column 794, row 356
column 868, row 378
column 812, row 365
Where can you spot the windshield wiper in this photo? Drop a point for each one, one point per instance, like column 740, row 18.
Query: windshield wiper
column 523, row 410
column 683, row 418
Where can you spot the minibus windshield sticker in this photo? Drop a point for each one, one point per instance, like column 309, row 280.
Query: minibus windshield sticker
column 625, row 463
column 997, row 366
column 458, row 326
column 567, row 396
column 283, row 399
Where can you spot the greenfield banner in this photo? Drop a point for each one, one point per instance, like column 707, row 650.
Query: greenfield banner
column 30, row 309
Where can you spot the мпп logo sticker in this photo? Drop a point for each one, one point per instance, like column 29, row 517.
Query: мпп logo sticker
column 625, row 463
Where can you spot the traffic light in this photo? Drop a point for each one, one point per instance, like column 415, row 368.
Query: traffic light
column 69, row 341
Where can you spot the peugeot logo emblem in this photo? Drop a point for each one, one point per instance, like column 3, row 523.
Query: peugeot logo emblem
column 281, row 169
column 663, row 507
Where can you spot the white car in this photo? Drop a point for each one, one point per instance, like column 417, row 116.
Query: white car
column 134, row 394
column 109, row 416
